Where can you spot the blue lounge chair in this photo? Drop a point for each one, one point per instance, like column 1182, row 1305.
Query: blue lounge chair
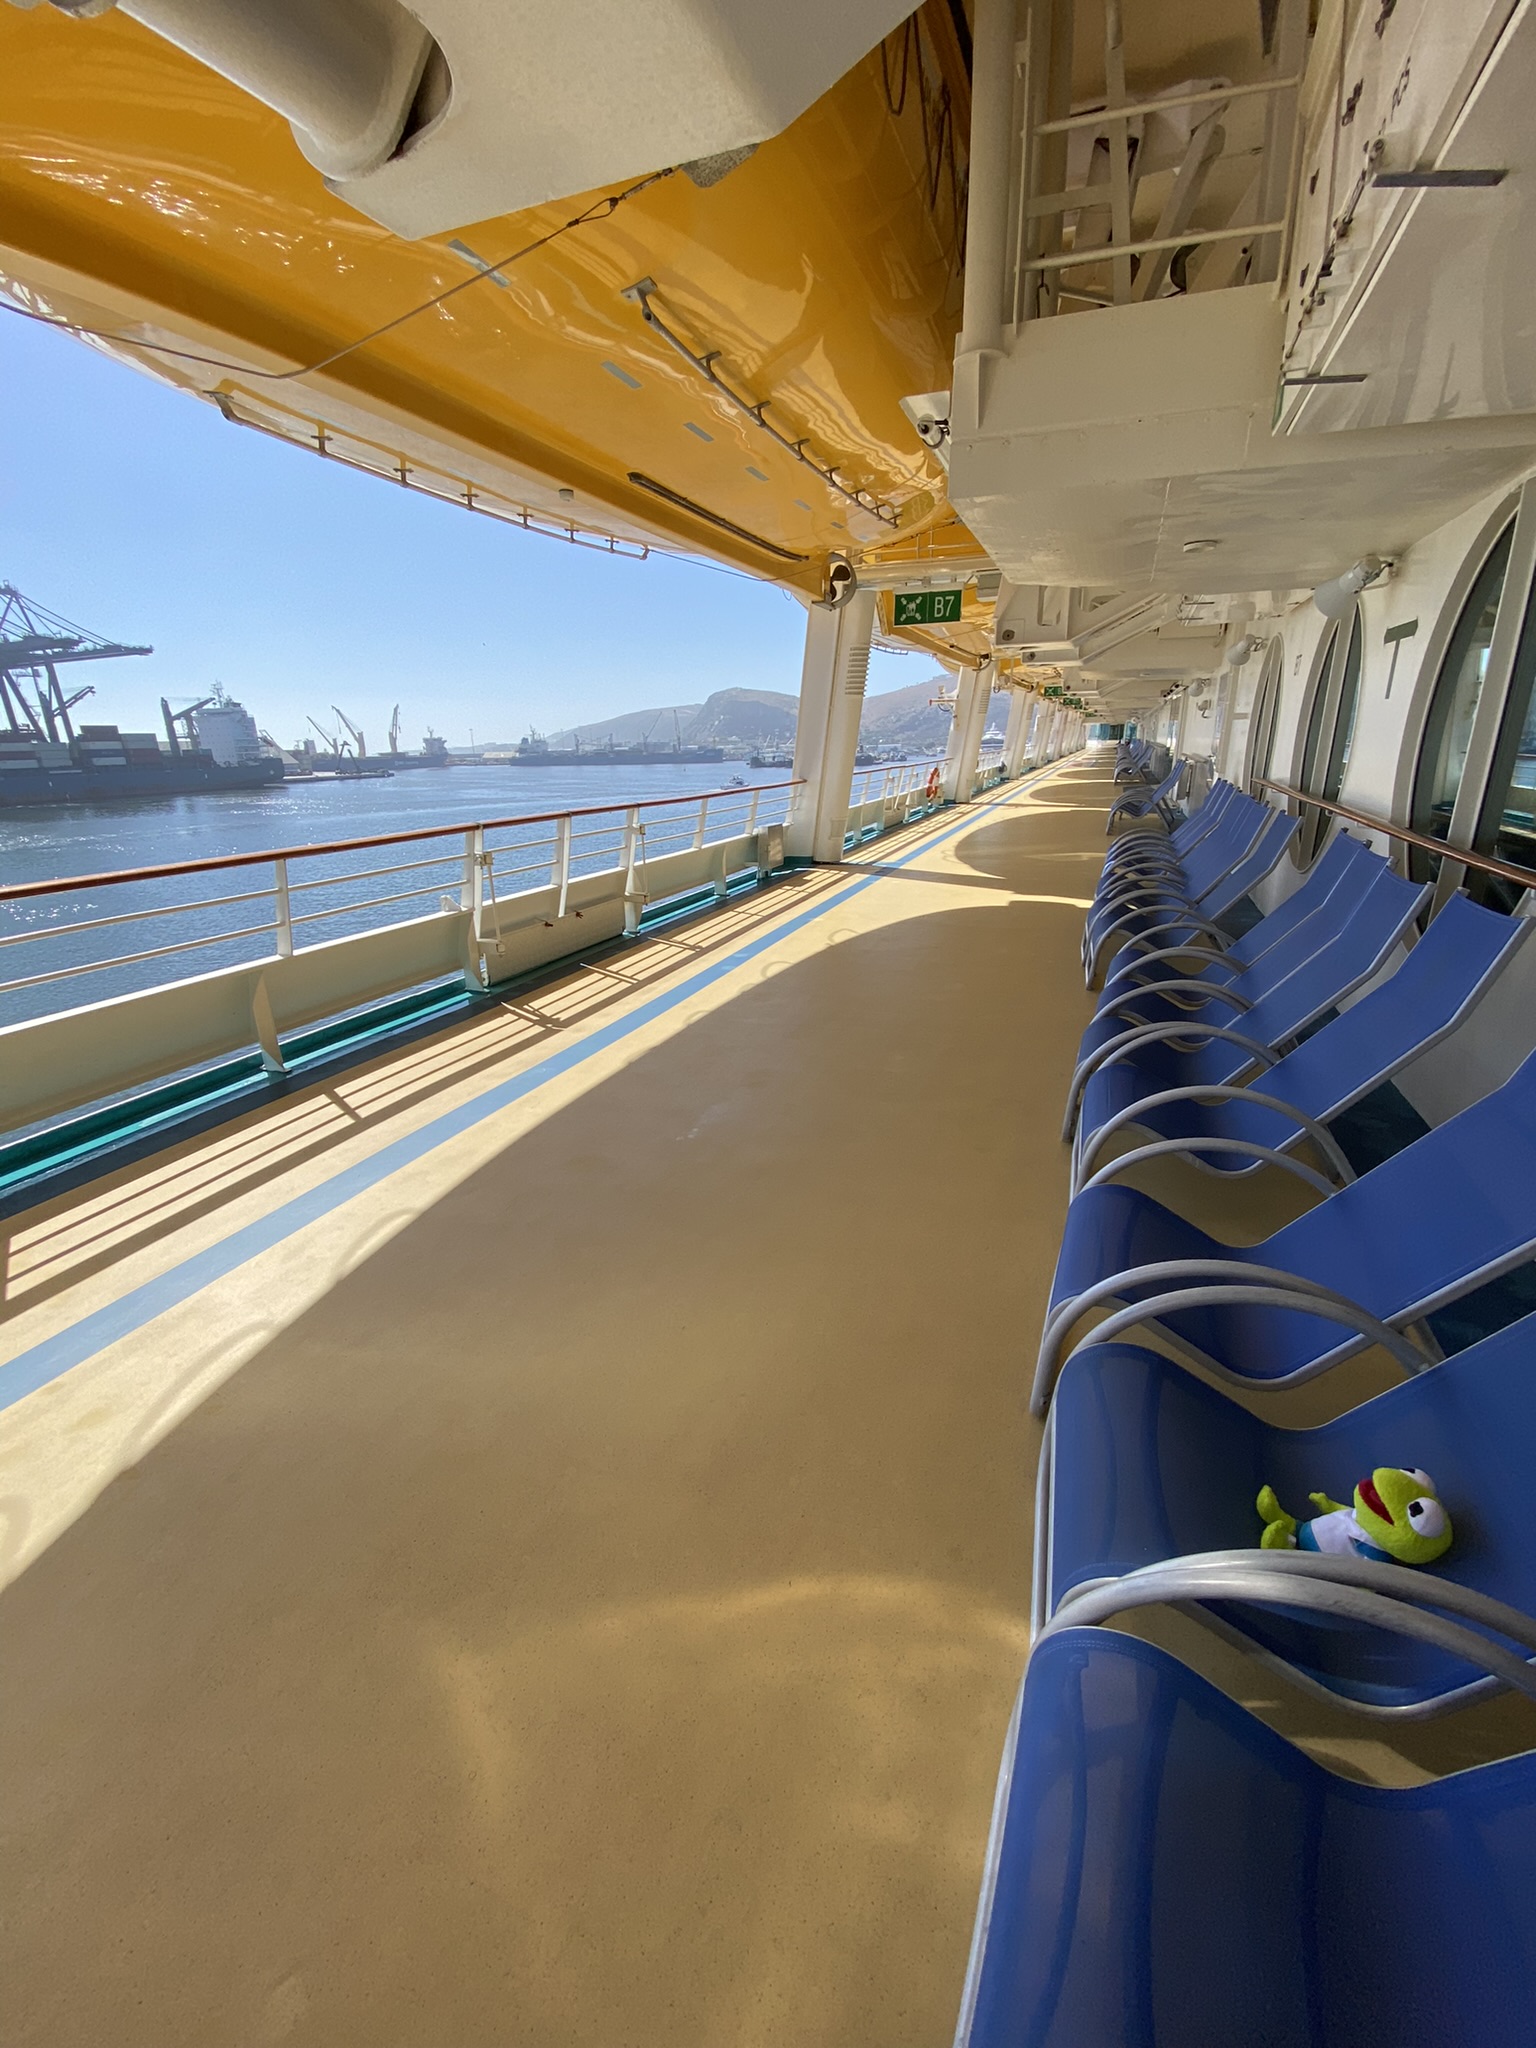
column 1127, row 901
column 1213, row 901
column 1141, row 803
column 1159, row 954
column 1149, row 1482
column 1143, row 849
column 1449, row 1212
column 1188, row 872
column 1122, row 1060
column 1167, row 1872
column 1153, row 862
column 1146, row 846
column 1237, row 1129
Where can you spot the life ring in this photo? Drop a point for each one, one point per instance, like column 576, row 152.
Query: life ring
column 931, row 793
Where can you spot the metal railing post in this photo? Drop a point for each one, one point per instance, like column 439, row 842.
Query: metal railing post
column 752, row 813
column 563, row 862
column 284, row 913
column 634, row 902
column 474, row 903
column 700, row 828
column 467, row 879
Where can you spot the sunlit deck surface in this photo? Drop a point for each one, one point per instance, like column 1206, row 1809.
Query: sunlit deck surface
column 568, row 1588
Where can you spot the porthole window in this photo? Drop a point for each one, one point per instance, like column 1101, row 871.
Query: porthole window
column 1330, row 729
column 1453, row 708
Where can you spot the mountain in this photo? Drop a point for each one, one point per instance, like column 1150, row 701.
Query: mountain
column 732, row 719
column 744, row 720
column 909, row 718
column 747, row 718
column 628, row 728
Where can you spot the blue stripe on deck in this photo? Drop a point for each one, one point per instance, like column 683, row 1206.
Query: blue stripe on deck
column 71, row 1347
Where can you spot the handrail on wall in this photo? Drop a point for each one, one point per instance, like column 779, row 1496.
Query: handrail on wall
column 1485, row 863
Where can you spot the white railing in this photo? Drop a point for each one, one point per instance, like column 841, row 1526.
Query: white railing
column 331, row 928
column 989, row 772
column 892, row 794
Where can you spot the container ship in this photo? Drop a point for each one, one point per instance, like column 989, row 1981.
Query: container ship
column 536, row 752
column 44, row 759
column 100, row 764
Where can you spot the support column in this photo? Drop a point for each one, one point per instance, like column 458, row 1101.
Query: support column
column 971, row 702
column 1033, row 745
column 832, row 680
column 1020, row 705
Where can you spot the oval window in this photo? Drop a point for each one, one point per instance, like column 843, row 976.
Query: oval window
column 1261, row 732
column 1330, row 730
column 1452, row 709
column 1506, row 825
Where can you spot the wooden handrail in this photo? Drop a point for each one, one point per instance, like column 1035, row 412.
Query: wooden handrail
column 1483, row 862
column 252, row 860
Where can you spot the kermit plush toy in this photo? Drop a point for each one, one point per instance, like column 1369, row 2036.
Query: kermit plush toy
column 1397, row 1518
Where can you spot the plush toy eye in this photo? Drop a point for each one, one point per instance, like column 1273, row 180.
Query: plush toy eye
column 1426, row 1518
column 1423, row 1478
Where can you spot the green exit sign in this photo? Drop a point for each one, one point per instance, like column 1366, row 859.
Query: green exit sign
column 927, row 607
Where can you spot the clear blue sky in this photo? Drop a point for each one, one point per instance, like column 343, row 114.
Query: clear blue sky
column 136, row 511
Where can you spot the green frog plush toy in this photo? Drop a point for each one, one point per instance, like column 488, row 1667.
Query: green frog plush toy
column 1397, row 1518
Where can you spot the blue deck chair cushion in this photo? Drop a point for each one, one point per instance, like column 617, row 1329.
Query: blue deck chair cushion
column 1173, row 1874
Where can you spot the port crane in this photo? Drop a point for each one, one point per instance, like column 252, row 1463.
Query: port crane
column 35, row 643
column 394, row 731
column 361, row 743
column 176, row 718
column 334, row 743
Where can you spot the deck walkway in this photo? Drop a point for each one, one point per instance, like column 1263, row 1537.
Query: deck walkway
column 527, row 1543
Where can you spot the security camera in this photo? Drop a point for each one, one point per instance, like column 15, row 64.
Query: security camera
column 934, row 431
column 841, row 582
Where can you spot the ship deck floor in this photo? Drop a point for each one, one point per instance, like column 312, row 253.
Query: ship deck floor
column 528, row 1542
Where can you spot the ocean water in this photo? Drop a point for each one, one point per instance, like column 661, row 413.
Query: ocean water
column 229, row 913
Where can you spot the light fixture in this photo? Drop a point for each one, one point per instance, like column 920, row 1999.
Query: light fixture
column 841, row 582
column 1242, row 650
column 1200, row 547
column 1334, row 599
